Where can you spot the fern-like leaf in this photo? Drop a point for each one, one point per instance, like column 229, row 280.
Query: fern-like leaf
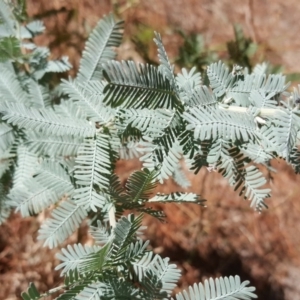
column 212, row 123
column 283, row 134
column 240, row 91
column 140, row 185
column 150, row 122
column 167, row 275
column 6, row 18
column 130, row 86
column 53, row 176
column 10, row 49
column 39, row 95
column 259, row 98
column 187, row 82
column 96, row 261
column 10, row 88
column 31, row 198
column 254, row 179
column 27, row 165
column 93, row 167
column 88, row 100
column 93, row 291
column 165, row 66
column 180, row 177
column 120, row 288
column 32, row 293
column 65, row 219
column 124, row 234
column 223, row 288
column 135, row 251
column 220, row 78
column 170, row 162
column 7, row 137
column 45, row 120
column 256, row 153
column 72, row 257
column 53, row 146
column 58, row 66
column 201, row 96
column 99, row 48
column 101, row 233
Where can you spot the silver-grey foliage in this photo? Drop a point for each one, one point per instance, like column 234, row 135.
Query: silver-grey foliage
column 61, row 154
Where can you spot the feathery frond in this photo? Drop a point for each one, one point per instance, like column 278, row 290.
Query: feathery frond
column 259, row 98
column 58, row 66
column 167, row 274
column 45, row 120
column 101, row 233
column 283, row 134
column 188, row 81
column 180, row 177
column 130, row 86
column 10, row 88
column 169, row 161
column 31, row 197
column 93, row 169
column 27, row 165
column 240, row 91
column 7, row 137
column 165, row 66
column 100, row 48
column 221, row 288
column 140, row 185
column 212, row 123
column 201, row 96
column 7, row 20
column 53, row 176
column 72, row 257
column 39, row 95
column 32, row 293
column 124, row 234
column 93, row 291
column 254, row 179
column 53, row 146
column 65, row 219
column 88, row 100
column 220, row 78
column 257, row 153
column 59, row 147
column 10, row 49
column 152, row 123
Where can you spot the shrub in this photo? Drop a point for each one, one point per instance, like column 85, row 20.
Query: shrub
column 59, row 147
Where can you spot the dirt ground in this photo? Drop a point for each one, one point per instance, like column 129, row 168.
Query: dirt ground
column 225, row 238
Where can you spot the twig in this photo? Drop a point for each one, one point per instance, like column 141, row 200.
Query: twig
column 112, row 216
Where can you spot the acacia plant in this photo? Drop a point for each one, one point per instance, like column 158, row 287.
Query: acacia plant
column 59, row 146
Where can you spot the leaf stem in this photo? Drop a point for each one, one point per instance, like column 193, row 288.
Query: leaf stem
column 112, row 216
column 263, row 112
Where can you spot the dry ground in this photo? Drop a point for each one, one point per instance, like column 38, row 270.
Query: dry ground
column 225, row 238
